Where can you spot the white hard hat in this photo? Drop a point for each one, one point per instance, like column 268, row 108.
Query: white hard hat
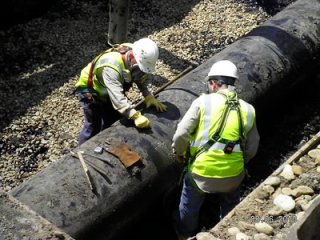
column 146, row 53
column 223, row 68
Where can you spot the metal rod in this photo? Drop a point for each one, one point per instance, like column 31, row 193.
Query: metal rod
column 188, row 69
column 99, row 158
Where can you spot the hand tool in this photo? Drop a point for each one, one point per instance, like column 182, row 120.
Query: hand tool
column 86, row 170
column 98, row 150
column 94, row 166
column 123, row 152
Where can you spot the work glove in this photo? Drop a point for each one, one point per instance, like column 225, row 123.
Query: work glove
column 152, row 101
column 180, row 158
column 87, row 97
column 140, row 121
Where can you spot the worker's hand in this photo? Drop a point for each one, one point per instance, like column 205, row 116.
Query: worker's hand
column 87, row 97
column 152, row 101
column 180, row 159
column 140, row 121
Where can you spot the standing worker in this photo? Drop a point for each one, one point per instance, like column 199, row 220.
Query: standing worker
column 102, row 84
column 217, row 136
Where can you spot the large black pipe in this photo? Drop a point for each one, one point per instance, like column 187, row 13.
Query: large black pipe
column 269, row 58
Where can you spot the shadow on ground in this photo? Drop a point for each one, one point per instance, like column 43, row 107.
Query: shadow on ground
column 41, row 54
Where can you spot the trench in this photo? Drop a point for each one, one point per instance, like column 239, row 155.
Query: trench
column 292, row 121
column 80, row 214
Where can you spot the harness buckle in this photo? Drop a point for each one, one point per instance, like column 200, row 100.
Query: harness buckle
column 229, row 147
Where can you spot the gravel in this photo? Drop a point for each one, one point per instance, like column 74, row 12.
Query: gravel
column 41, row 60
column 274, row 209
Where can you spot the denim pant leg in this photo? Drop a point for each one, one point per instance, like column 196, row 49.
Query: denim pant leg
column 228, row 201
column 108, row 114
column 92, row 119
column 190, row 203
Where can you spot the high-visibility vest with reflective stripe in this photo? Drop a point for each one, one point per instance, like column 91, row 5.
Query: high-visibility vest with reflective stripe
column 215, row 163
column 112, row 59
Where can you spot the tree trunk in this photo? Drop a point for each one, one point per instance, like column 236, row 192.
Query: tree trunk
column 118, row 21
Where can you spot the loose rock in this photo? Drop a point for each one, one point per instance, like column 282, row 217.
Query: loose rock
column 205, row 236
column 233, row 231
column 263, row 227
column 261, row 236
column 287, row 172
column 276, row 211
column 273, row 181
column 314, row 153
column 302, row 190
column 284, row 202
column 300, row 215
column 297, row 170
column 287, row 191
column 241, row 236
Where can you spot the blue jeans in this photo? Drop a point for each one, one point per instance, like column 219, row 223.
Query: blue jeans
column 191, row 201
column 97, row 116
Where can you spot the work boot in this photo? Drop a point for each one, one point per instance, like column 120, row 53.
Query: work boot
column 179, row 235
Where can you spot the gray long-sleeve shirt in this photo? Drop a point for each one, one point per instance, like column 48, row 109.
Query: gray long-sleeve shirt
column 114, row 88
column 182, row 136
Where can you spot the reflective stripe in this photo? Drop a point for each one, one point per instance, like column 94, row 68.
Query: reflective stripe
column 198, row 143
column 221, row 146
column 250, row 115
column 207, row 103
column 206, row 119
column 107, row 60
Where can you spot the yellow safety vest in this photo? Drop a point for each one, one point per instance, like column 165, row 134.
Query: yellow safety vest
column 110, row 58
column 215, row 163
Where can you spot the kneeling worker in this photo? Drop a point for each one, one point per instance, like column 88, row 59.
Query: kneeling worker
column 102, row 84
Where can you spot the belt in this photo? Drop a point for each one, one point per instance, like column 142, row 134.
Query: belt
column 221, row 146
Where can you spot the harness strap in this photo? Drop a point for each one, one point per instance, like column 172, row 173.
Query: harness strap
column 216, row 142
column 93, row 63
column 90, row 81
column 119, row 48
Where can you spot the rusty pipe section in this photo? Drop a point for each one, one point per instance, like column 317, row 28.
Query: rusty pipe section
column 269, row 58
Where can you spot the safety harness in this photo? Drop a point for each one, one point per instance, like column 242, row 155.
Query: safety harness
column 232, row 103
column 122, row 49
